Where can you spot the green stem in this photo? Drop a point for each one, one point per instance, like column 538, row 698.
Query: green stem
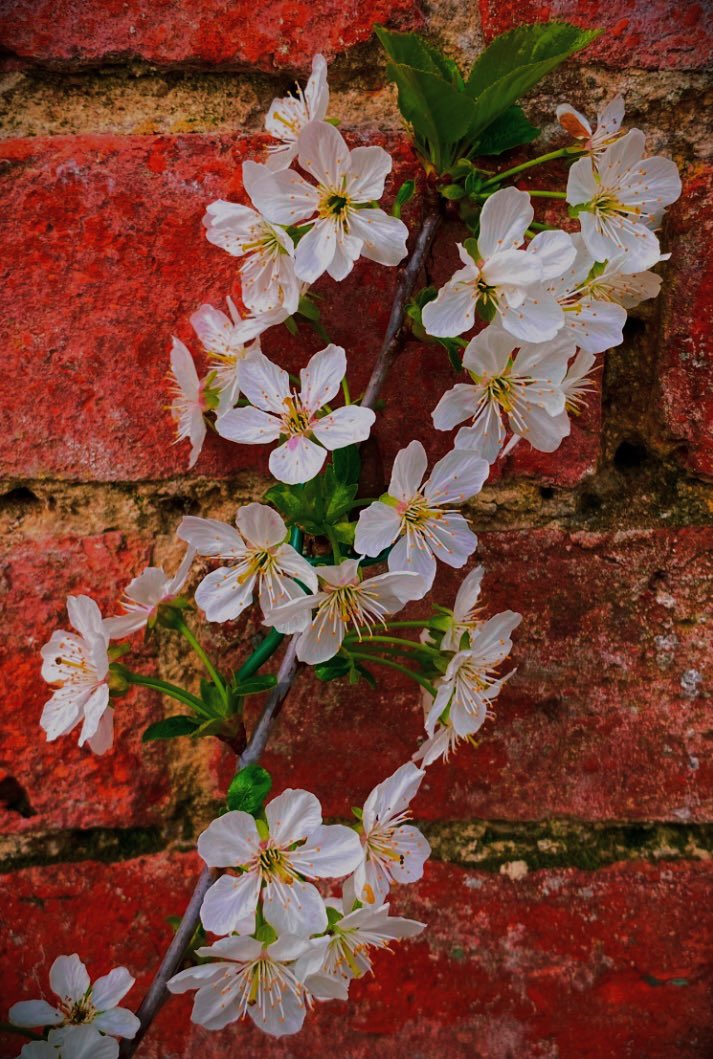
column 547, row 194
column 336, row 550
column 397, row 666
column 564, row 152
column 214, row 674
column 345, row 391
column 8, row 1027
column 407, row 624
column 537, row 227
column 172, row 690
column 411, row 645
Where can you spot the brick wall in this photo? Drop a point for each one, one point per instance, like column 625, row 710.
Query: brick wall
column 569, row 899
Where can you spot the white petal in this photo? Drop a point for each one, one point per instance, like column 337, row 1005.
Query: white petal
column 284, row 197
column 457, row 404
column 413, row 850
column 581, row 183
column 538, row 319
column 265, row 384
column 453, row 541
column 320, row 641
column 118, row 1022
column 62, row 712
column 184, row 369
column 555, row 251
column 412, row 554
column 298, row 460
column 31, row 1013
column 408, row 471
column 596, row 325
column 293, row 816
column 103, row 737
column 488, row 353
column 94, row 709
column 216, row 1004
column 485, row 437
column 453, row 310
column 377, row 528
column 223, row 594
column 229, row 841
column 383, row 237
column 344, row 426
column 392, row 796
column 316, row 250
column 330, row 852
column 323, row 153
column 230, row 903
column 456, row 478
column 84, row 1042
column 249, row 426
column 294, row 564
column 68, row 978
column 543, row 431
column 512, row 269
column 347, row 249
column 281, row 1015
column 294, row 909
column 321, row 378
column 468, row 593
column 369, row 169
column 210, row 537
column 261, row 525
column 111, row 988
column 293, row 616
column 504, row 219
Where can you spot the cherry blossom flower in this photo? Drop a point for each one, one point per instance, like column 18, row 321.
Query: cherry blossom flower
column 251, row 977
column 276, row 863
column 81, row 1003
column 469, row 686
column 621, row 199
column 73, row 1042
column 611, row 283
column 525, row 390
column 420, row 514
column 258, row 559
column 351, row 938
column 143, row 596
column 504, row 279
column 280, row 412
column 578, row 383
column 189, row 400
column 608, row 129
column 392, row 850
column 228, row 341
column 343, row 600
column 344, row 224
column 267, row 272
column 78, row 664
column 288, row 116
column 465, row 616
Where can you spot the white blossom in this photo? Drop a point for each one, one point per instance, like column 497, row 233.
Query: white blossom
column 392, row 850
column 503, row 279
column 524, row 391
column 144, row 594
column 343, row 600
column 344, row 226
column 288, row 116
column 276, row 863
column 189, row 400
column 228, row 341
column 72, row 1042
column 608, row 129
column 465, row 616
column 578, row 382
column 420, row 515
column 80, row 1004
column 278, row 412
column 621, row 199
column 258, row 559
column 77, row 663
column 247, row 977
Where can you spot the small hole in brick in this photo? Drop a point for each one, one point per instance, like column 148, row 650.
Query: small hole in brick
column 634, row 327
column 14, row 797
column 589, row 503
column 630, row 455
column 21, row 496
column 546, row 492
column 180, row 505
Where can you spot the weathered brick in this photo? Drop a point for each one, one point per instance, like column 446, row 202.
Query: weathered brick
column 564, row 963
column 686, row 354
column 648, row 34
column 267, row 35
column 606, row 718
column 56, row 785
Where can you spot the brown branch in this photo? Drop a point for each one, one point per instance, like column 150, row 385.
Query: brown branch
column 389, row 351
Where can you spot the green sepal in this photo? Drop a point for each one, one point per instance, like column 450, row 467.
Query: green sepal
column 118, row 650
column 403, row 195
column 357, row 812
column 333, row 916
column 453, row 192
column 486, row 310
column 171, row 728
column 248, row 789
column 470, row 245
column 265, row 934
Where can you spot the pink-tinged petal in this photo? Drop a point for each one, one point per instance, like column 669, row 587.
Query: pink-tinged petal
column 323, row 153
column 230, row 841
column 504, row 219
column 456, row 477
column 453, row 311
column 211, row 537
column 261, row 525
column 457, row 404
column 369, row 169
column 284, row 197
column 321, row 378
column 330, row 852
column 321, row 640
column 29, row 1013
column 224, row 594
column 111, row 988
column 618, row 159
column 298, row 460
column 392, row 796
column 249, row 426
column 293, row 816
column 85, row 616
column 103, row 738
column 555, row 251
column 538, row 319
column 316, row 250
column 344, row 426
column 297, row 908
column 453, row 540
column 265, row 384
column 413, row 851
column 377, row 528
column 581, row 182
column 118, row 1022
column 294, row 616
column 69, row 978
column 412, row 554
column 488, row 353
column 125, row 624
column 468, row 593
column 230, row 903
column 383, row 237
column 610, row 119
column 63, row 711
column 408, row 471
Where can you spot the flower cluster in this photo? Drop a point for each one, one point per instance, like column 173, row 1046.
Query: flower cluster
column 547, row 302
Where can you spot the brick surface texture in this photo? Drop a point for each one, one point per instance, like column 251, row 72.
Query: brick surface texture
column 569, row 898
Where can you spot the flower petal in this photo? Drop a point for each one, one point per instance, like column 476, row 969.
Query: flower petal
column 456, row 477
column 230, row 903
column 108, row 990
column 209, row 536
column 31, row 1013
column 296, row 908
column 344, row 426
column 392, row 796
column 316, row 250
column 383, row 237
column 265, row 384
column 118, row 1022
column 229, row 841
column 504, row 219
column 261, row 525
column 248, row 426
column 321, row 378
column 68, row 978
column 323, row 153
column 293, row 816
column 377, row 528
column 298, row 460
column 368, row 171
column 408, row 471
column 225, row 593
column 284, row 197
column 330, row 852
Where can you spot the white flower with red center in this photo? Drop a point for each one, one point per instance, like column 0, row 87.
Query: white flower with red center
column 621, row 199
column 344, row 226
column 267, row 269
column 523, row 390
column 420, row 515
column 352, row 937
column 77, row 663
column 287, row 116
column 393, row 851
column 145, row 594
column 343, row 600
column 296, row 418
column 465, row 616
column 80, row 1003
column 502, row 280
column 276, row 861
column 247, row 977
column 608, row 129
column 228, row 341
column 73, row 1042
column 469, row 686
column 259, row 559
column 189, row 403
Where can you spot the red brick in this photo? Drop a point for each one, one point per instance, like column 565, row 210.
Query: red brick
column 66, row 786
column 564, row 963
column 607, row 717
column 648, row 34
column 686, row 351
column 268, row 35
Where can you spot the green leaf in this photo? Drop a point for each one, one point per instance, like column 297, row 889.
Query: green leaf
column 256, row 685
column 171, row 728
column 510, row 130
column 403, row 195
column 336, row 667
column 345, row 532
column 212, row 698
column 249, row 788
column 437, row 110
column 515, row 62
column 347, row 464
column 410, row 49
